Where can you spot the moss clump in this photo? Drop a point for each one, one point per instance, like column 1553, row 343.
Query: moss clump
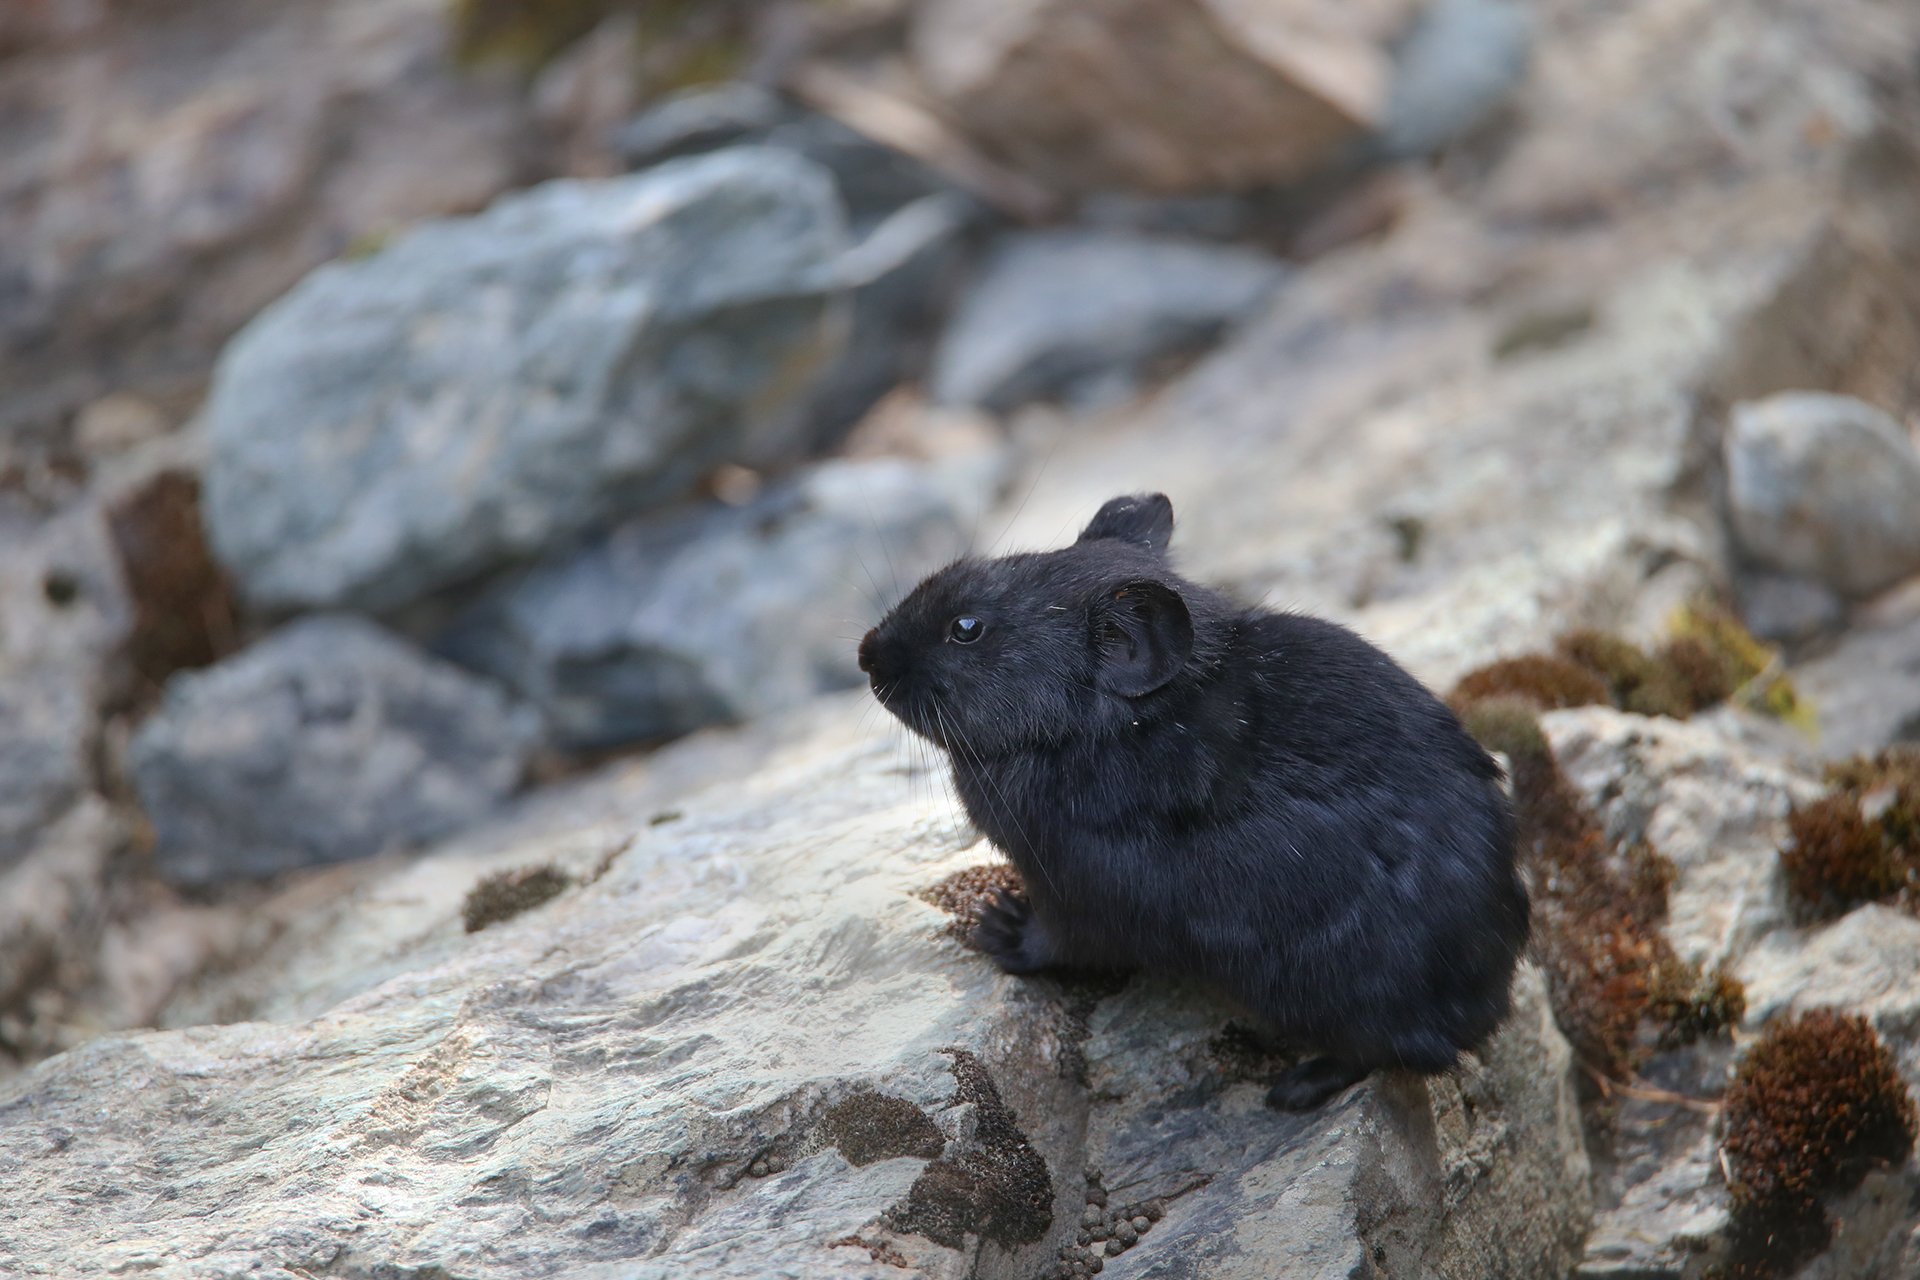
column 1707, row 659
column 1748, row 666
column 997, row 1186
column 1510, row 725
column 506, row 894
column 1637, row 681
column 962, row 894
column 868, row 1125
column 1815, row 1104
column 1541, row 679
column 1691, row 1004
column 1596, row 914
column 1861, row 842
column 184, row 615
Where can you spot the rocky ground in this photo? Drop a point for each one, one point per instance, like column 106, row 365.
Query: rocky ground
column 354, row 921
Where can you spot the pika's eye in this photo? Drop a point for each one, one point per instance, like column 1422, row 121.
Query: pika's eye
column 966, row 630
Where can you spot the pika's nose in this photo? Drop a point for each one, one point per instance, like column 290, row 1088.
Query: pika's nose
column 867, row 643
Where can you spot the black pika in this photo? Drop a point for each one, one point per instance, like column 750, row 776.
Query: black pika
column 1260, row 799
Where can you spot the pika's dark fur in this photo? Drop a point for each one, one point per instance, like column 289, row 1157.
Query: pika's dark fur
column 1189, row 785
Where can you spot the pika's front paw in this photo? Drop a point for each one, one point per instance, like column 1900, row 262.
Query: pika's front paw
column 1009, row 932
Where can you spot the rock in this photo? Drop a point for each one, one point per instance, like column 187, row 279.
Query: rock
column 714, row 613
column 1458, row 65
column 1788, row 609
column 903, row 275
column 1825, row 486
column 487, row 388
column 1164, row 97
column 1715, row 808
column 1249, row 1200
column 53, row 904
column 874, row 180
column 1082, row 315
column 1866, row 689
column 150, row 204
column 913, row 233
column 328, row 740
column 699, row 120
column 742, row 1044
column 1715, row 805
column 64, row 613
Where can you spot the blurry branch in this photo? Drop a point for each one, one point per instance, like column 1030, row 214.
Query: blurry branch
column 914, row 130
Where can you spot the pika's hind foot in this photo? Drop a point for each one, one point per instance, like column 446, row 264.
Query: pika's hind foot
column 1009, row 932
column 1307, row 1085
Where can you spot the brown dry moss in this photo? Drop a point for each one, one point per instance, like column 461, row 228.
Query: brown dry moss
column 1707, row 658
column 1816, row 1103
column 997, row 1186
column 1596, row 915
column 868, row 1125
column 183, row 607
column 962, row 894
column 1546, row 681
column 506, row 894
column 1861, row 842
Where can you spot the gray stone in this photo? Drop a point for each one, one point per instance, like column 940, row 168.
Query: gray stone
column 902, row 274
column 486, row 388
column 1787, row 609
column 742, row 1046
column 1866, row 688
column 1459, row 64
column 330, row 739
column 698, row 120
column 1164, row 97
column 1082, row 315
column 285, row 133
column 1825, row 486
column 715, row 613
column 63, row 615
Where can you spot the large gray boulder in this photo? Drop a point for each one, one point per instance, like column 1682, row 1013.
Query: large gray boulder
column 487, row 387
column 717, row 613
column 1083, row 315
column 744, row 1044
column 1826, row 486
column 330, row 739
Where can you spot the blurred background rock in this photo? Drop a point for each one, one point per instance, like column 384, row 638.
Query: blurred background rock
column 415, row 413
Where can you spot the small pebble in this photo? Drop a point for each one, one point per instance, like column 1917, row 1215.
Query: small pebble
column 1141, row 1223
column 1090, row 1217
column 758, row 1168
column 1097, row 1196
column 1095, row 1266
column 1156, row 1210
column 1125, row 1233
column 1085, row 1237
column 1115, row 1248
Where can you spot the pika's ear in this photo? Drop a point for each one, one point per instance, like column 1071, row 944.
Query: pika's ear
column 1144, row 635
column 1144, row 519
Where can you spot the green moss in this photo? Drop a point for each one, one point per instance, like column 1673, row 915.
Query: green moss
column 1691, row 1005
column 1751, row 669
column 506, row 894
column 1510, row 725
column 1816, row 1103
column 1636, row 681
